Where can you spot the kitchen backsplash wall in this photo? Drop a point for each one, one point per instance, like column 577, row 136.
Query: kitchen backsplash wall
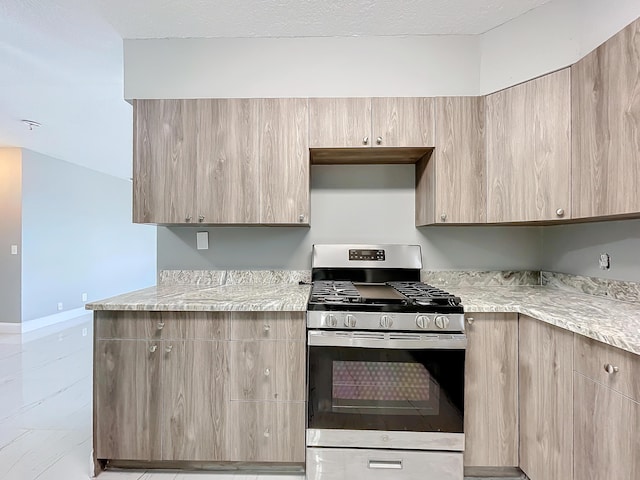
column 575, row 249
column 352, row 204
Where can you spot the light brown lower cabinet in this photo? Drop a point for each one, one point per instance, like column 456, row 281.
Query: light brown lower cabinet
column 606, row 433
column 491, row 390
column 606, row 423
column 171, row 397
column 267, row 431
column 127, row 404
column 546, row 400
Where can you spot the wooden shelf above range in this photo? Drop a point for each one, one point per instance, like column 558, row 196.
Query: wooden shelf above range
column 368, row 155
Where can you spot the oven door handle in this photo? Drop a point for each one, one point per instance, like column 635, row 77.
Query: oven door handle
column 386, row 340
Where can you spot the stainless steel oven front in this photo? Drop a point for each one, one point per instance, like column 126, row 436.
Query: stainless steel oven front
column 385, row 405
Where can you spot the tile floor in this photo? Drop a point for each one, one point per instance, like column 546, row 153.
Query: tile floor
column 45, row 409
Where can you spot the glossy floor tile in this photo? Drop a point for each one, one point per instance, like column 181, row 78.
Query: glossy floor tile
column 45, row 409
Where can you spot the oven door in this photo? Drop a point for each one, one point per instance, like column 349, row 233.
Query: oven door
column 386, row 390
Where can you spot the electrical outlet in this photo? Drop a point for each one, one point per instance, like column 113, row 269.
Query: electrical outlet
column 14, row 249
column 605, row 261
column 84, row 297
column 60, row 306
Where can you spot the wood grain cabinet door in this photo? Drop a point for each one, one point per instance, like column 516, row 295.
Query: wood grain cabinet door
column 127, row 397
column 339, row 122
column 195, row 394
column 402, row 122
column 228, row 175
column 267, row 370
column 491, row 390
column 605, row 89
column 451, row 182
column 546, row 400
column 164, row 161
column 267, row 431
column 529, row 150
column 606, row 432
column 284, row 161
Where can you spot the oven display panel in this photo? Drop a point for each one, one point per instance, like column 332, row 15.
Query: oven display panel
column 366, row 255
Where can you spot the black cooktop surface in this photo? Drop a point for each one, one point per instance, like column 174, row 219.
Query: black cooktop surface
column 383, row 297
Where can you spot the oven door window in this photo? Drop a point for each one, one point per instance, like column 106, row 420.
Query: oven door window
column 383, row 389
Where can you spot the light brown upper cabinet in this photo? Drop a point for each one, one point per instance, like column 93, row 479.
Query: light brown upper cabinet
column 164, row 159
column 221, row 161
column 284, row 161
column 606, row 127
column 370, row 130
column 529, row 151
column 451, row 182
column 227, row 164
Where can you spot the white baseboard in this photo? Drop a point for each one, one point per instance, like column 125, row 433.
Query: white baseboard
column 35, row 324
column 6, row 327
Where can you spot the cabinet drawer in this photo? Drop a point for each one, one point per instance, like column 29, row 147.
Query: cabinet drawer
column 267, row 431
column 593, row 357
column 128, row 325
column 341, row 464
column 142, row 325
column 267, row 370
column 268, row 326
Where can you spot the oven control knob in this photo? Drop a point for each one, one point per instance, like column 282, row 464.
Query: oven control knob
column 350, row 321
column 442, row 321
column 386, row 321
column 422, row 321
column 331, row 320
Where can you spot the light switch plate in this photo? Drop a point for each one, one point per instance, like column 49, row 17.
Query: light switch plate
column 202, row 240
column 14, row 249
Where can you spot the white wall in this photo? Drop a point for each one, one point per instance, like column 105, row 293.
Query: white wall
column 545, row 39
column 301, row 67
column 10, row 234
column 575, row 249
column 553, row 36
column 78, row 237
column 353, row 204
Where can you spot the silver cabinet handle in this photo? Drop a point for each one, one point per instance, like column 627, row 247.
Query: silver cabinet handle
column 301, row 218
column 611, row 368
column 443, row 216
column 267, row 433
column 153, row 348
column 201, row 218
column 470, row 320
column 386, row 464
column 560, row 212
column 160, row 325
column 267, row 327
column 267, row 372
column 169, row 348
column 365, row 141
column 379, row 140
column 188, row 218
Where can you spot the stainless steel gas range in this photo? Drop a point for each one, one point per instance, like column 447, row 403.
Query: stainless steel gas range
column 385, row 368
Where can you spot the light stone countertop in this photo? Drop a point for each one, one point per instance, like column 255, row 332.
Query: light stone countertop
column 613, row 322
column 286, row 297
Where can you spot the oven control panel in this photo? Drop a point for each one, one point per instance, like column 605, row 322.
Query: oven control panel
column 366, row 255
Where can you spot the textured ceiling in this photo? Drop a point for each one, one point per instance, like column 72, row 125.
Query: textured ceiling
column 61, row 60
column 308, row 18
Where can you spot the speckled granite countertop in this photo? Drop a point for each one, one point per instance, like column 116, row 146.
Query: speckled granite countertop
column 599, row 314
column 612, row 322
column 289, row 297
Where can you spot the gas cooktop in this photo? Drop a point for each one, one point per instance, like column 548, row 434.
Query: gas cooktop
column 329, row 295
